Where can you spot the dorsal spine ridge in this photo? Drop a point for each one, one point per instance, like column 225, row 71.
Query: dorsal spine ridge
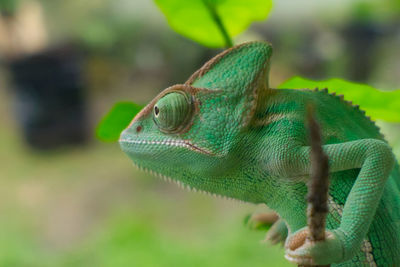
column 350, row 103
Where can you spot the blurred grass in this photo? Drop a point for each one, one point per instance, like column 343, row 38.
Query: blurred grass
column 128, row 242
column 87, row 206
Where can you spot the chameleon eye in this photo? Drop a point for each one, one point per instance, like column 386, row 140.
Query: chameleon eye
column 156, row 110
column 172, row 112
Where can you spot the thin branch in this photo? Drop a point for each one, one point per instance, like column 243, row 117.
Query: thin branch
column 318, row 186
column 218, row 21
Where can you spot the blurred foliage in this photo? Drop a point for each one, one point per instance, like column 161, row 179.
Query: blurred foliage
column 379, row 105
column 100, row 27
column 194, row 19
column 384, row 10
column 8, row 7
column 116, row 120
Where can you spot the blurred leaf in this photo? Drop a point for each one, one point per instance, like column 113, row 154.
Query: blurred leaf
column 379, row 105
column 116, row 120
column 194, row 20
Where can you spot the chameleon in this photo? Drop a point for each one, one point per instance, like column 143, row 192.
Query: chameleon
column 226, row 132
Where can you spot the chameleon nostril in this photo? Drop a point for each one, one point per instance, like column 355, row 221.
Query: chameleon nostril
column 139, row 128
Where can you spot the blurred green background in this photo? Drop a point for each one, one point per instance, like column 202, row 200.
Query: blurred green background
column 66, row 199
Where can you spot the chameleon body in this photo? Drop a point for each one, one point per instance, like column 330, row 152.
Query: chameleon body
column 226, row 132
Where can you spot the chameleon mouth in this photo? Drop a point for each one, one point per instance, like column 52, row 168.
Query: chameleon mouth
column 182, row 184
column 176, row 143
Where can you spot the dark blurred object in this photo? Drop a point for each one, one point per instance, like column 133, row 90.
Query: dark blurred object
column 361, row 36
column 361, row 39
column 50, row 97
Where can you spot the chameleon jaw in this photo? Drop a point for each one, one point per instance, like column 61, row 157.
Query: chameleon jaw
column 183, row 185
column 168, row 142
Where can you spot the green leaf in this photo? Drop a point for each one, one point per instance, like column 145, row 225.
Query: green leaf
column 116, row 120
column 194, row 20
column 379, row 105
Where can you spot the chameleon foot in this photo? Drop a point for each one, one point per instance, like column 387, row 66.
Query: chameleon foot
column 277, row 234
column 299, row 250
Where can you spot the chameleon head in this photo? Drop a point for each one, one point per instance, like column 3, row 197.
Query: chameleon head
column 190, row 132
column 158, row 136
column 171, row 137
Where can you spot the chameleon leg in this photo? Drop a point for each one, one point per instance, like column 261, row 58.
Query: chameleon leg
column 375, row 160
column 396, row 175
column 265, row 218
column 277, row 233
column 261, row 221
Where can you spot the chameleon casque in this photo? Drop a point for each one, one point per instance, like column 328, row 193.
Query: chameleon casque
column 224, row 131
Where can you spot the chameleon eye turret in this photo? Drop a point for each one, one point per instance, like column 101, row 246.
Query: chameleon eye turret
column 173, row 112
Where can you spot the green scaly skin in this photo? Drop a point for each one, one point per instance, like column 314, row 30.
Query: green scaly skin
column 227, row 133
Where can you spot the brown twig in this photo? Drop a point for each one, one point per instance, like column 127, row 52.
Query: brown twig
column 318, row 186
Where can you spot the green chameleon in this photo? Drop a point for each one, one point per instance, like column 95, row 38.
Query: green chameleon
column 227, row 133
